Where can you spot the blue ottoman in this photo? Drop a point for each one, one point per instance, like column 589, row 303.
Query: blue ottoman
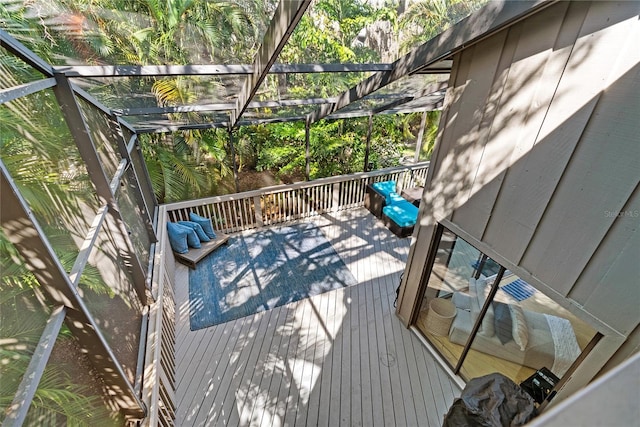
column 400, row 217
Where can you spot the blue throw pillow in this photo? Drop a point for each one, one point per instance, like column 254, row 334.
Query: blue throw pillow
column 205, row 223
column 197, row 228
column 192, row 237
column 178, row 237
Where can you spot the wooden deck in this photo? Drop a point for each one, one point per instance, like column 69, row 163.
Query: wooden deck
column 337, row 359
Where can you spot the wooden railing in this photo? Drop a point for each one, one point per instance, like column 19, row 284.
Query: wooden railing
column 232, row 213
column 283, row 203
column 159, row 369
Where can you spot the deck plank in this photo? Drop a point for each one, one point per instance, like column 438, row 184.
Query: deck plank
column 327, row 364
column 266, row 370
column 248, row 392
column 340, row 358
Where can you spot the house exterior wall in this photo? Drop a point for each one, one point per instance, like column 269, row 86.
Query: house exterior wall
column 537, row 164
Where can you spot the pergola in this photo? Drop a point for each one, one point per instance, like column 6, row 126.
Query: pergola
column 230, row 96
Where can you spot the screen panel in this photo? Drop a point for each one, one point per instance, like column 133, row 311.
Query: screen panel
column 43, row 160
column 107, row 287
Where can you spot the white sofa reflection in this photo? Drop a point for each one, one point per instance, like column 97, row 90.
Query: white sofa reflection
column 511, row 333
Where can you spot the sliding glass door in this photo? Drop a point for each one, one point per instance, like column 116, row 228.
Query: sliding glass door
column 482, row 318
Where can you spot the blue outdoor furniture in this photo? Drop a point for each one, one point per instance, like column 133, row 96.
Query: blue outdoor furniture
column 397, row 213
column 400, row 217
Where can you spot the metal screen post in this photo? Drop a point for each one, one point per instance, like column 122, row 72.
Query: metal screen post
column 233, row 160
column 307, row 150
column 368, row 148
column 423, row 123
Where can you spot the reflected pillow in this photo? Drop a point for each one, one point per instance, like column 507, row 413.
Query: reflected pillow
column 197, row 228
column 205, row 223
column 482, row 291
column 519, row 326
column 178, row 237
column 502, row 321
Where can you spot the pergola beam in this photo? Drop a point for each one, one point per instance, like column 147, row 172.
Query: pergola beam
column 488, row 20
column 19, row 50
column 142, row 129
column 228, row 106
column 392, row 104
column 177, row 128
column 286, row 18
column 221, row 106
column 218, row 70
column 175, row 109
column 8, row 95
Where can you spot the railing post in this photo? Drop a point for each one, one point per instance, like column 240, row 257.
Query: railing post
column 257, row 208
column 335, row 196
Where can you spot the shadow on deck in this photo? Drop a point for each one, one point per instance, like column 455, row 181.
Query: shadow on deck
column 339, row 358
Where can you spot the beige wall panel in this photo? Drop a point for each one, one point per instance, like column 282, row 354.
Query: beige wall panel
column 532, row 178
column 602, row 174
column 609, row 287
column 529, row 48
column 455, row 174
column 438, row 167
column 473, row 212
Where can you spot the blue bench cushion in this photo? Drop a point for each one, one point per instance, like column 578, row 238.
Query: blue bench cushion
column 394, row 198
column 403, row 213
column 385, row 187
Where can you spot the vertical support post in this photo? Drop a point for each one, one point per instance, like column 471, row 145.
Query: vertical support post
column 257, row 207
column 307, row 149
column 123, row 147
column 368, row 148
column 423, row 123
column 233, row 159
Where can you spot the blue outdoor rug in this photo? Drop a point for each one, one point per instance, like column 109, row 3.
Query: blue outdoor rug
column 261, row 271
column 519, row 289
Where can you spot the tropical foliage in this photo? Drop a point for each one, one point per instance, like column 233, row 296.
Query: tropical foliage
column 423, row 20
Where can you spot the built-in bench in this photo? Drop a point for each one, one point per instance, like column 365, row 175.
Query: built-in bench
column 194, row 255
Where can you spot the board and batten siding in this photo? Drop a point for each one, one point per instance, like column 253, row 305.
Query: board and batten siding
column 537, row 161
